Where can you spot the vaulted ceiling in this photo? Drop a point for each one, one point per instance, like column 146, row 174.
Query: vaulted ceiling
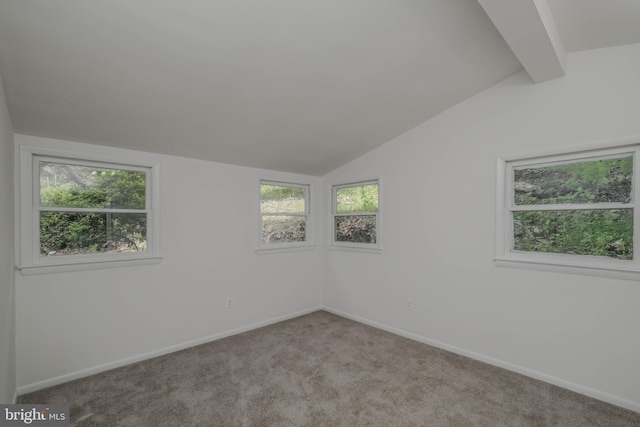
column 294, row 85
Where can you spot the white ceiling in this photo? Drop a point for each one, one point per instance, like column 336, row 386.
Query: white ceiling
column 294, row 85
column 592, row 24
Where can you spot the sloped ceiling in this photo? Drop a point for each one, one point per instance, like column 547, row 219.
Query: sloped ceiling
column 592, row 24
column 291, row 85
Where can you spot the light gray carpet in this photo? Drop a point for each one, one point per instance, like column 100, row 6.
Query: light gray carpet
column 322, row 370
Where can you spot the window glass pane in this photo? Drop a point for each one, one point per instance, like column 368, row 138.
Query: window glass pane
column 283, row 228
column 593, row 181
column 282, row 199
column 64, row 185
column 607, row 232
column 75, row 233
column 356, row 228
column 359, row 198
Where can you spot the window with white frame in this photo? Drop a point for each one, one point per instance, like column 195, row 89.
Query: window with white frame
column 573, row 209
column 356, row 214
column 85, row 211
column 284, row 214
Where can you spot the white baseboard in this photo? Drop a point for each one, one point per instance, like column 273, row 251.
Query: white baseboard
column 587, row 391
column 166, row 350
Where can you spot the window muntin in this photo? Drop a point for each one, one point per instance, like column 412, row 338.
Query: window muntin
column 571, row 209
column 284, row 212
column 84, row 213
column 355, row 214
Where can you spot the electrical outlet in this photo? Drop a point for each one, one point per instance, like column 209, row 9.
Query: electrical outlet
column 410, row 304
column 229, row 301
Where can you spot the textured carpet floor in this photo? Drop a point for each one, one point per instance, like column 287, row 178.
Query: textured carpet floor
column 322, row 370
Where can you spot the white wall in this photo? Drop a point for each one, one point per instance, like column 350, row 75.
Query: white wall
column 438, row 184
column 7, row 315
column 72, row 324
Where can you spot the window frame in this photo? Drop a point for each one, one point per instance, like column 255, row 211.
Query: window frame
column 275, row 247
column 28, row 252
column 363, row 247
column 565, row 263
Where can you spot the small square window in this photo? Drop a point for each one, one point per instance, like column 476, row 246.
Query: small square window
column 356, row 215
column 284, row 214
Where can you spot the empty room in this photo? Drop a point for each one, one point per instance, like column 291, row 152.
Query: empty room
column 320, row 212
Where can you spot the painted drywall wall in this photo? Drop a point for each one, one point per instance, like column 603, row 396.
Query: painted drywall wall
column 438, row 213
column 76, row 323
column 7, row 314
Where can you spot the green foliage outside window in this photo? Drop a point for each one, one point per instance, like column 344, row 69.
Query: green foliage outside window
column 594, row 231
column 607, row 232
column 359, row 198
column 64, row 231
column 596, row 181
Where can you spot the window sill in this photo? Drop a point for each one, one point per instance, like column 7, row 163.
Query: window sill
column 284, row 249
column 84, row 266
column 362, row 249
column 614, row 272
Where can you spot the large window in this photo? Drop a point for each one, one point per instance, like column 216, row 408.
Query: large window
column 575, row 209
column 79, row 211
column 355, row 215
column 284, row 214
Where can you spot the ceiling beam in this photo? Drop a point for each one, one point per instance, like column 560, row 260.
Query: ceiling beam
column 529, row 29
